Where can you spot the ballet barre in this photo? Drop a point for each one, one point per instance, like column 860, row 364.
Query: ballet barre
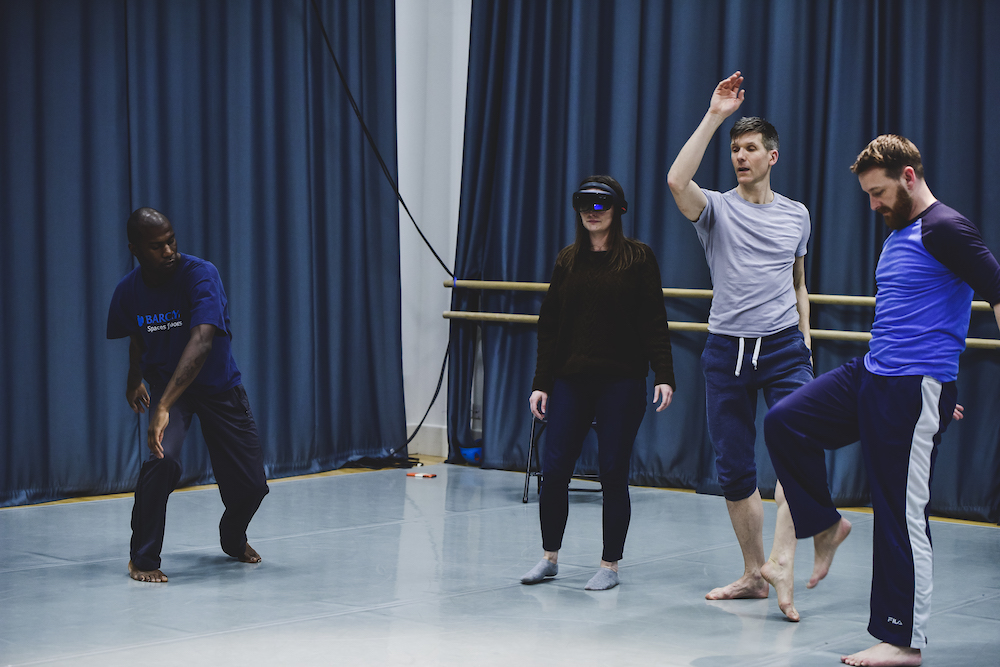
column 684, row 293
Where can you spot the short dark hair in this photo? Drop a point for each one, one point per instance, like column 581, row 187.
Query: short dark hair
column 140, row 220
column 891, row 152
column 751, row 124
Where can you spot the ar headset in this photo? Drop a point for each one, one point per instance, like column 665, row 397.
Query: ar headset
column 606, row 200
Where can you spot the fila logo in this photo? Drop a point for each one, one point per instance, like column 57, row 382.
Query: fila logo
column 895, row 621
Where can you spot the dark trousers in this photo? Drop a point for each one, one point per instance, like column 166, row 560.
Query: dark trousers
column 782, row 366
column 899, row 421
column 618, row 407
column 234, row 448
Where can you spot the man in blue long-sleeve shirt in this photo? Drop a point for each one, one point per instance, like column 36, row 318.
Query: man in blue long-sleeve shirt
column 897, row 400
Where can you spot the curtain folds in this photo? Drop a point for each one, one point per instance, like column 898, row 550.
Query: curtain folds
column 229, row 118
column 563, row 89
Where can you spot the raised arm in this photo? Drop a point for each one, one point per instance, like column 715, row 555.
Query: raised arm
column 802, row 297
column 192, row 359
column 726, row 99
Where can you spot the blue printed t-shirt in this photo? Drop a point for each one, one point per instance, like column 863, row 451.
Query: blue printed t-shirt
column 751, row 251
column 163, row 317
column 926, row 275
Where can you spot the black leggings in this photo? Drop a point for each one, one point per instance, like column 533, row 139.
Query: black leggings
column 618, row 406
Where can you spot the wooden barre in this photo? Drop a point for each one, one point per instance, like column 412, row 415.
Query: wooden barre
column 818, row 334
column 685, row 293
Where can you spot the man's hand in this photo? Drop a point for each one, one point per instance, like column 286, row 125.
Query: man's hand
column 538, row 402
column 158, row 421
column 663, row 393
column 137, row 397
column 192, row 359
column 727, row 97
column 959, row 413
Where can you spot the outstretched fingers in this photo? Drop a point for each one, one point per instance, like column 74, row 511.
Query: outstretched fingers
column 728, row 95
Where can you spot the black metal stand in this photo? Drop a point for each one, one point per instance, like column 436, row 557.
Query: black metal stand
column 537, row 428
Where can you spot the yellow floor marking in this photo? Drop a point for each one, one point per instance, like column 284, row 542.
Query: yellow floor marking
column 426, row 460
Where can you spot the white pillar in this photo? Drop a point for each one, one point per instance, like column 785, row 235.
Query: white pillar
column 432, row 61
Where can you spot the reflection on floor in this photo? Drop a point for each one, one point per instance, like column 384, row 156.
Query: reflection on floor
column 384, row 569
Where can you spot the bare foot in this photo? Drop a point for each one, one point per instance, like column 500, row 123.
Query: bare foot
column 781, row 575
column 249, row 556
column 884, row 655
column 824, row 546
column 745, row 588
column 152, row 576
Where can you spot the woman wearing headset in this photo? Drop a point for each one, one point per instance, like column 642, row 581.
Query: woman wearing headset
column 601, row 327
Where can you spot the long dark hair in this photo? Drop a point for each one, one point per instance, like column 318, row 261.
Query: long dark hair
column 622, row 250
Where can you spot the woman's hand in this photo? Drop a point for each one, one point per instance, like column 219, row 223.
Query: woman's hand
column 538, row 402
column 663, row 393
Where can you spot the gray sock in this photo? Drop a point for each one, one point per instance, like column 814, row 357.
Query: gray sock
column 545, row 568
column 603, row 580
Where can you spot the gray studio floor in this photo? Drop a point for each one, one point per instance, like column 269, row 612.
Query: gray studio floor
column 380, row 569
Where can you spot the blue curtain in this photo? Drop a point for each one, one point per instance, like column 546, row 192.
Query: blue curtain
column 230, row 118
column 562, row 89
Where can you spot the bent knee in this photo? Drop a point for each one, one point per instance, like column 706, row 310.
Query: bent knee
column 775, row 423
column 736, row 469
column 168, row 465
column 259, row 491
column 739, row 490
column 251, row 493
column 738, row 487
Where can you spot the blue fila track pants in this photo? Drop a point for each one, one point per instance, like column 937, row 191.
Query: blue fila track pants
column 899, row 421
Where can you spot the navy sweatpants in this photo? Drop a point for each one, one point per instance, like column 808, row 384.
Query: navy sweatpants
column 618, row 407
column 234, row 448
column 899, row 421
column 734, row 374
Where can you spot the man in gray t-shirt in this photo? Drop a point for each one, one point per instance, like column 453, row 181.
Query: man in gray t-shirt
column 753, row 252
column 755, row 243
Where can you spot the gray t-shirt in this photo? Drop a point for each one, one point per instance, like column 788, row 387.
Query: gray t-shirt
column 750, row 250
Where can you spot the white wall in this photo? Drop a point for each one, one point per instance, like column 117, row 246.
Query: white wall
column 432, row 57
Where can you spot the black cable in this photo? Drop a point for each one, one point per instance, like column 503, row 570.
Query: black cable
column 444, row 365
column 409, row 462
column 371, row 141
column 395, row 188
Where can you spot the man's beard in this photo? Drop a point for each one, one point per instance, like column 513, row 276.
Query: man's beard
column 898, row 216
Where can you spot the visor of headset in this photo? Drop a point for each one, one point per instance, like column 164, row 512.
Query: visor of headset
column 593, row 201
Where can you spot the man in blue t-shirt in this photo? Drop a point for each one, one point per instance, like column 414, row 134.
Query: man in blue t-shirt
column 755, row 242
column 897, row 400
column 173, row 309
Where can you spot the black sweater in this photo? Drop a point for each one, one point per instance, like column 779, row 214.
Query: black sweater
column 598, row 322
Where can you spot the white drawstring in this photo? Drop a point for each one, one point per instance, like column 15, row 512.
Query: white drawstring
column 739, row 356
